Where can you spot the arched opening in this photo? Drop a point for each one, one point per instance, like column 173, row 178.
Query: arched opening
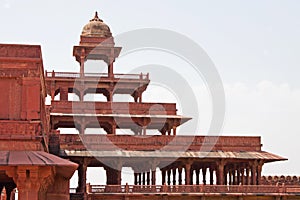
column 48, row 100
column 95, row 94
column 73, row 94
column 57, row 97
column 94, row 97
column 7, row 186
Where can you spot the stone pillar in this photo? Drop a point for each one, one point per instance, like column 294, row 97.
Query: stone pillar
column 174, row 176
column 230, row 176
column 135, row 178
column 243, row 176
column 63, row 94
column 113, row 175
column 253, row 173
column 163, row 176
column 204, row 175
column 82, row 127
column 144, row 130
column 247, row 176
column 148, row 178
column 169, row 176
column 144, row 179
column 153, row 163
column 259, row 169
column 211, row 176
column 110, row 67
column 188, row 174
column 140, row 97
column 180, row 176
column 225, row 176
column 140, row 178
column 174, row 130
column 82, row 177
column 28, row 188
column 153, row 177
column 113, row 128
column 29, row 180
column 197, row 176
column 234, row 175
column 82, row 59
column 238, row 175
column 220, row 172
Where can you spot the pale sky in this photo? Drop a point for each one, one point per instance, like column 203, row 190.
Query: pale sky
column 254, row 45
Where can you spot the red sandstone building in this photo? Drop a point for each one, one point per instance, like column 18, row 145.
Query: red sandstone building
column 39, row 161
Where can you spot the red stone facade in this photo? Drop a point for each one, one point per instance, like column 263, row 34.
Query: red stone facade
column 24, row 128
column 38, row 160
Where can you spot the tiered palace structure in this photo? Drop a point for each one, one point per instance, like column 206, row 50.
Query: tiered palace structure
column 39, row 161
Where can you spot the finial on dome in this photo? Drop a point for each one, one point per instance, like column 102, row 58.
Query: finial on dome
column 96, row 18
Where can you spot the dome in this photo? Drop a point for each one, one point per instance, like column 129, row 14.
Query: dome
column 96, row 28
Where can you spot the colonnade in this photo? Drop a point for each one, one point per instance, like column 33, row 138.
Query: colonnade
column 81, row 92
column 220, row 172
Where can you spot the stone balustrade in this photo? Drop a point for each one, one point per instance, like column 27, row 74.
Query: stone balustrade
column 280, row 180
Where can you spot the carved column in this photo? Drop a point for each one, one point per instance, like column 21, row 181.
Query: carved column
column 238, row 175
column 180, row 176
column 197, row 176
column 140, row 178
column 211, row 175
column 135, row 178
column 204, row 175
column 220, row 172
column 247, row 176
column 153, row 163
column 243, row 176
column 230, row 176
column 144, row 178
column 163, row 176
column 253, row 173
column 30, row 179
column 174, row 176
column 148, row 178
column 82, row 176
column 63, row 94
column 234, row 175
column 169, row 176
column 174, row 130
column 153, row 177
column 113, row 173
column 259, row 169
column 82, row 59
column 188, row 173
column 110, row 67
column 225, row 175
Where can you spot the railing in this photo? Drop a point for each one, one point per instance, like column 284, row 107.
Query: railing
column 53, row 74
column 266, row 189
column 279, row 180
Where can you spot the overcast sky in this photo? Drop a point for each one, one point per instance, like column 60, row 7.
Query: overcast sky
column 254, row 45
